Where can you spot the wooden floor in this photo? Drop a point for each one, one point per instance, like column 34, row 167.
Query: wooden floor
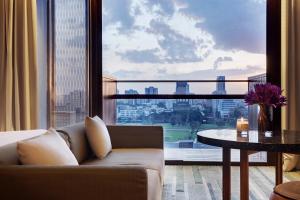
column 214, row 154
column 205, row 182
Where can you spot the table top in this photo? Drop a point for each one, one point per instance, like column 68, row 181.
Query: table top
column 285, row 141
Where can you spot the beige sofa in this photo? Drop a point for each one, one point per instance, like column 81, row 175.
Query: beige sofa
column 133, row 170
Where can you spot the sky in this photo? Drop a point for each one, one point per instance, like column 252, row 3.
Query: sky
column 184, row 39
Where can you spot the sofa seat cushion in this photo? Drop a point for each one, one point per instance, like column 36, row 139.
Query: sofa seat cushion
column 147, row 158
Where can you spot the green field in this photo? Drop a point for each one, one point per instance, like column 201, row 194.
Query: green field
column 176, row 133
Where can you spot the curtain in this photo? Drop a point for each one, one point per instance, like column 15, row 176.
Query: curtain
column 18, row 65
column 292, row 74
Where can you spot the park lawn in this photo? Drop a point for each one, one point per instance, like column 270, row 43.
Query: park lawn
column 176, row 133
column 173, row 135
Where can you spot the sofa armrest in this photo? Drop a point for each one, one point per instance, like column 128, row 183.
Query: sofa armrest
column 83, row 182
column 136, row 136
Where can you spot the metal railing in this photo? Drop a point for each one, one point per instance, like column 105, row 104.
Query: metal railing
column 179, row 96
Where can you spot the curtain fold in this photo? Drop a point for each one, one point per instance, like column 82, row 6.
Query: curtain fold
column 292, row 75
column 18, row 65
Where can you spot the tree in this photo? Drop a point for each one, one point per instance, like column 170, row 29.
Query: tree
column 161, row 105
column 195, row 121
column 173, row 120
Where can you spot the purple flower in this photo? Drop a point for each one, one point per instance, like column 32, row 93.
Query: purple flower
column 266, row 94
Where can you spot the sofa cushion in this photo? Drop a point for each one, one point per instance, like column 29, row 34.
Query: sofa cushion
column 47, row 149
column 148, row 158
column 76, row 136
column 98, row 136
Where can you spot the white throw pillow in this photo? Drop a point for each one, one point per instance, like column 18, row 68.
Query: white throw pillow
column 98, row 136
column 47, row 149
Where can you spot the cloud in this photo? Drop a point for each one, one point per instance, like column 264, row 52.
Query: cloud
column 141, row 56
column 234, row 24
column 126, row 74
column 259, row 1
column 170, row 38
column 117, row 11
column 219, row 60
column 166, row 7
column 177, row 47
column 173, row 42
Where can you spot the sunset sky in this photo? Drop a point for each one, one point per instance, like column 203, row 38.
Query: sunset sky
column 184, row 39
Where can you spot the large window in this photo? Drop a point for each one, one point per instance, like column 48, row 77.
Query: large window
column 181, row 44
column 69, row 92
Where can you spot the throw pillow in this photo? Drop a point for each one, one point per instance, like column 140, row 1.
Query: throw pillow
column 47, row 149
column 98, row 136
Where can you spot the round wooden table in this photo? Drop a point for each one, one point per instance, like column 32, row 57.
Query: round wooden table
column 252, row 141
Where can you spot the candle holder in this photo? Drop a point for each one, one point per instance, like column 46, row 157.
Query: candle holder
column 242, row 125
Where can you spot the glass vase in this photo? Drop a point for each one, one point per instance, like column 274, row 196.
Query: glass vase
column 265, row 118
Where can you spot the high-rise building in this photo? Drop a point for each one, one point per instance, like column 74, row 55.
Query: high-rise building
column 131, row 91
column 217, row 104
column 151, row 90
column 225, row 106
column 261, row 78
column 220, row 85
column 132, row 101
column 254, row 109
column 182, row 88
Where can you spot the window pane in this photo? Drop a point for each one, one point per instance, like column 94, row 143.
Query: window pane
column 184, row 39
column 70, row 62
column 182, row 119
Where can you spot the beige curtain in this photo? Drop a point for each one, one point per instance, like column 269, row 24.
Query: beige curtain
column 291, row 75
column 18, row 65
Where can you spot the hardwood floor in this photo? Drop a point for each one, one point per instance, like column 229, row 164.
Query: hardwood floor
column 205, row 182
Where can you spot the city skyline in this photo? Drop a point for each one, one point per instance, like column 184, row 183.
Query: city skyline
column 193, row 88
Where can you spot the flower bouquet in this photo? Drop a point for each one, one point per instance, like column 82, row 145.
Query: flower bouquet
column 267, row 97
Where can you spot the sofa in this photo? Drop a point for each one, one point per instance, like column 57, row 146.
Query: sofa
column 134, row 169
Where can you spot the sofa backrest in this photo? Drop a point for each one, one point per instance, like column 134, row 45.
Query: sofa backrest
column 76, row 138
column 8, row 144
column 74, row 135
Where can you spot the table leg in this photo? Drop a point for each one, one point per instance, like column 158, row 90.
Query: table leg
column 278, row 168
column 226, row 174
column 244, row 175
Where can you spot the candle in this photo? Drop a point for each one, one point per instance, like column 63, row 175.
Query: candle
column 242, row 125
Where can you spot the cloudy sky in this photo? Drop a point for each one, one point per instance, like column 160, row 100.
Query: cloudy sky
column 184, row 39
